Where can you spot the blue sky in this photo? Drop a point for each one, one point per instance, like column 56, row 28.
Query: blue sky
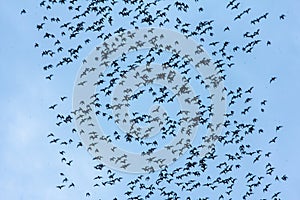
column 30, row 166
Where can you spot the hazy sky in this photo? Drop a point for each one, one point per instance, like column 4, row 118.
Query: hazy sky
column 30, row 166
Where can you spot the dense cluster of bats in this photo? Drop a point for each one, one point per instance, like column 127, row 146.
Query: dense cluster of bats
column 236, row 167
